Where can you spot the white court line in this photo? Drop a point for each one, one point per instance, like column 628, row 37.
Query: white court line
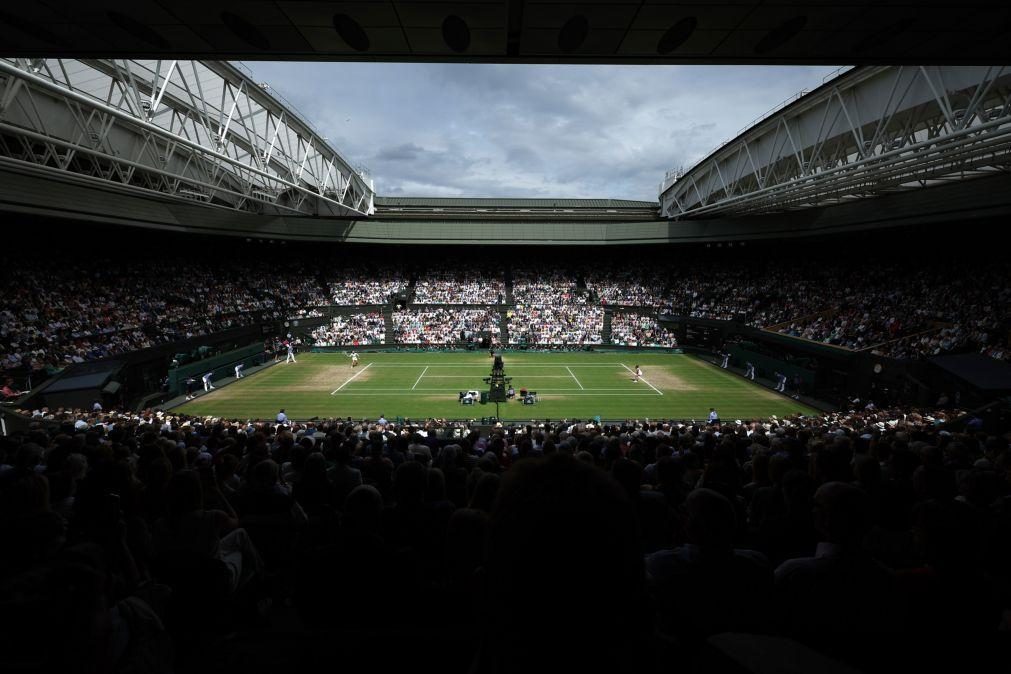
column 643, row 379
column 350, row 380
column 574, row 377
column 419, row 377
column 509, row 366
column 576, row 394
column 470, row 376
column 375, row 389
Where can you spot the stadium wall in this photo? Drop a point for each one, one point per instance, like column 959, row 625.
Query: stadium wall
column 221, row 365
column 32, row 190
column 827, row 372
column 140, row 373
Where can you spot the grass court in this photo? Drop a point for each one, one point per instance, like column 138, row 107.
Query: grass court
column 427, row 384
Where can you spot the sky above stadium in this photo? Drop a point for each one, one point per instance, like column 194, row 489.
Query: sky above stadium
column 529, row 130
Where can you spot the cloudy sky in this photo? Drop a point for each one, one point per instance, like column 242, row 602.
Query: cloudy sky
column 529, row 130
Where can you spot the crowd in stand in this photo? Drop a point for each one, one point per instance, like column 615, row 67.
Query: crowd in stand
column 539, row 287
column 564, row 546
column 444, row 326
column 556, row 324
column 638, row 287
column 360, row 284
column 61, row 311
column 855, row 328
column 882, row 306
column 352, row 330
column 965, row 308
column 459, row 284
column 56, row 312
column 306, row 313
column 640, row 330
column 753, row 291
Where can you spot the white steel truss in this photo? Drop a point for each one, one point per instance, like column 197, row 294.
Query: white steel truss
column 871, row 131
column 194, row 130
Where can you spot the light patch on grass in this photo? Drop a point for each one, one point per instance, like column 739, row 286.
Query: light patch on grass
column 666, row 380
column 223, row 394
column 327, row 376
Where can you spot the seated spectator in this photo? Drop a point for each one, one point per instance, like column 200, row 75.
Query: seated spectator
column 840, row 589
column 463, row 284
column 443, row 326
column 8, row 391
column 358, row 284
column 563, row 558
column 707, row 586
column 556, row 324
column 192, row 533
column 640, row 330
column 352, row 330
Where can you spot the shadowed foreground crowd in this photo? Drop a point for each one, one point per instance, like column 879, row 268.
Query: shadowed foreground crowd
column 156, row 543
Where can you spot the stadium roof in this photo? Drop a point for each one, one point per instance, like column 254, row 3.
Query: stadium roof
column 467, row 202
column 504, row 31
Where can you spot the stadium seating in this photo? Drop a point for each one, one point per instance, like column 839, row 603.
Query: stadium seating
column 190, row 531
column 64, row 311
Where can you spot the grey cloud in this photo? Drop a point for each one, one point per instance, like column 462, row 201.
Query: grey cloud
column 405, row 152
column 523, row 155
column 537, row 130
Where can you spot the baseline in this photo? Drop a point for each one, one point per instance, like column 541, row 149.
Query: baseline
column 642, row 379
column 353, row 377
column 574, row 377
column 419, row 377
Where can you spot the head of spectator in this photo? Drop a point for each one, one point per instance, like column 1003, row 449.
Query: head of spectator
column 410, row 480
column 563, row 557
column 485, row 491
column 363, row 510
column 184, row 494
column 842, row 514
column 711, row 521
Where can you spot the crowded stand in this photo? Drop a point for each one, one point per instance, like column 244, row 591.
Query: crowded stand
column 153, row 535
column 640, row 330
column 556, row 325
column 945, row 340
column 538, row 287
column 358, row 284
column 968, row 307
column 306, row 313
column 63, row 311
column 752, row 291
column 853, row 328
column 444, row 326
column 460, row 285
column 352, row 330
column 640, row 288
column 60, row 312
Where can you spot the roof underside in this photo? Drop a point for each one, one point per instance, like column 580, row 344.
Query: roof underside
column 516, row 31
column 467, row 202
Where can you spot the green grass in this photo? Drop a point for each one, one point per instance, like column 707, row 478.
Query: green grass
column 422, row 385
